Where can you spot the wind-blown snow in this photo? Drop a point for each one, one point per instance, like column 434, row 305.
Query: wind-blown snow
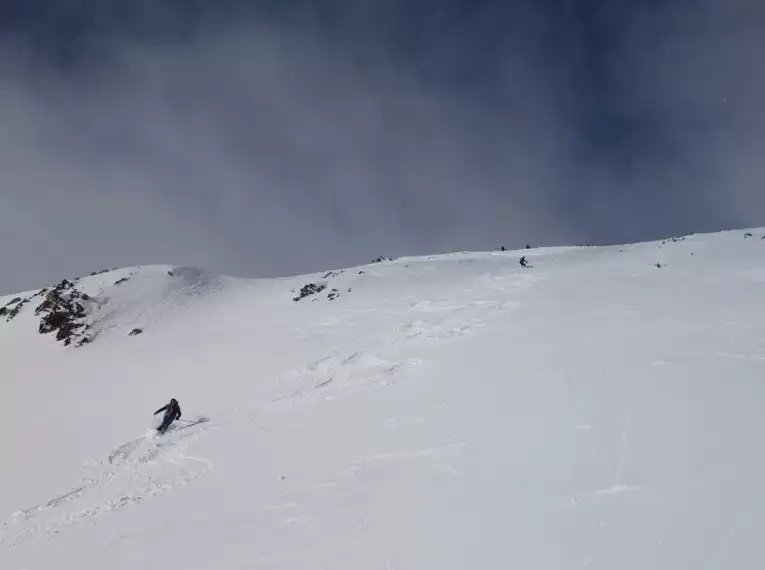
column 459, row 411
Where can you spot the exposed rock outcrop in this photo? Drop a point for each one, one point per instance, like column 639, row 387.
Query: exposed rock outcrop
column 62, row 311
column 309, row 289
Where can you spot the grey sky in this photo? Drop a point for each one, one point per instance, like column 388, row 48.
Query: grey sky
column 257, row 146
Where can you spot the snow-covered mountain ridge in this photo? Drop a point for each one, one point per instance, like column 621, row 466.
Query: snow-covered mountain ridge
column 593, row 410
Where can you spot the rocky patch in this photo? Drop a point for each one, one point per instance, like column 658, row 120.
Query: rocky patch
column 11, row 312
column 62, row 312
column 315, row 288
column 673, row 240
column 309, row 289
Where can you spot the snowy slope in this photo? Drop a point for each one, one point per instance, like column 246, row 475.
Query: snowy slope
column 459, row 411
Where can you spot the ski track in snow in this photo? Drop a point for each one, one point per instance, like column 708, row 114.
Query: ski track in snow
column 133, row 472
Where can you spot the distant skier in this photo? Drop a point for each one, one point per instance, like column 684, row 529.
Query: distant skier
column 172, row 413
column 523, row 261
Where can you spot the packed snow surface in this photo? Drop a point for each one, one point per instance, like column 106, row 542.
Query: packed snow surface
column 594, row 410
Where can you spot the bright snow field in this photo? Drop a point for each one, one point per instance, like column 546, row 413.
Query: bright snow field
column 591, row 411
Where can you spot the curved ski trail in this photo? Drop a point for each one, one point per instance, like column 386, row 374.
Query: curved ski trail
column 133, row 472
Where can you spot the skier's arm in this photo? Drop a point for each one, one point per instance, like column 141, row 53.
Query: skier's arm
column 162, row 409
column 178, row 414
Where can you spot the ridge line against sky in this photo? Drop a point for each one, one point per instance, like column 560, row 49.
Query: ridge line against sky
column 275, row 138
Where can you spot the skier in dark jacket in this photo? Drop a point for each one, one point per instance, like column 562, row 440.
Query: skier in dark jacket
column 523, row 261
column 172, row 413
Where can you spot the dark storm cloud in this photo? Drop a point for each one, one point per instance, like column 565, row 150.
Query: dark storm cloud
column 695, row 70
column 271, row 141
column 675, row 142
column 264, row 148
